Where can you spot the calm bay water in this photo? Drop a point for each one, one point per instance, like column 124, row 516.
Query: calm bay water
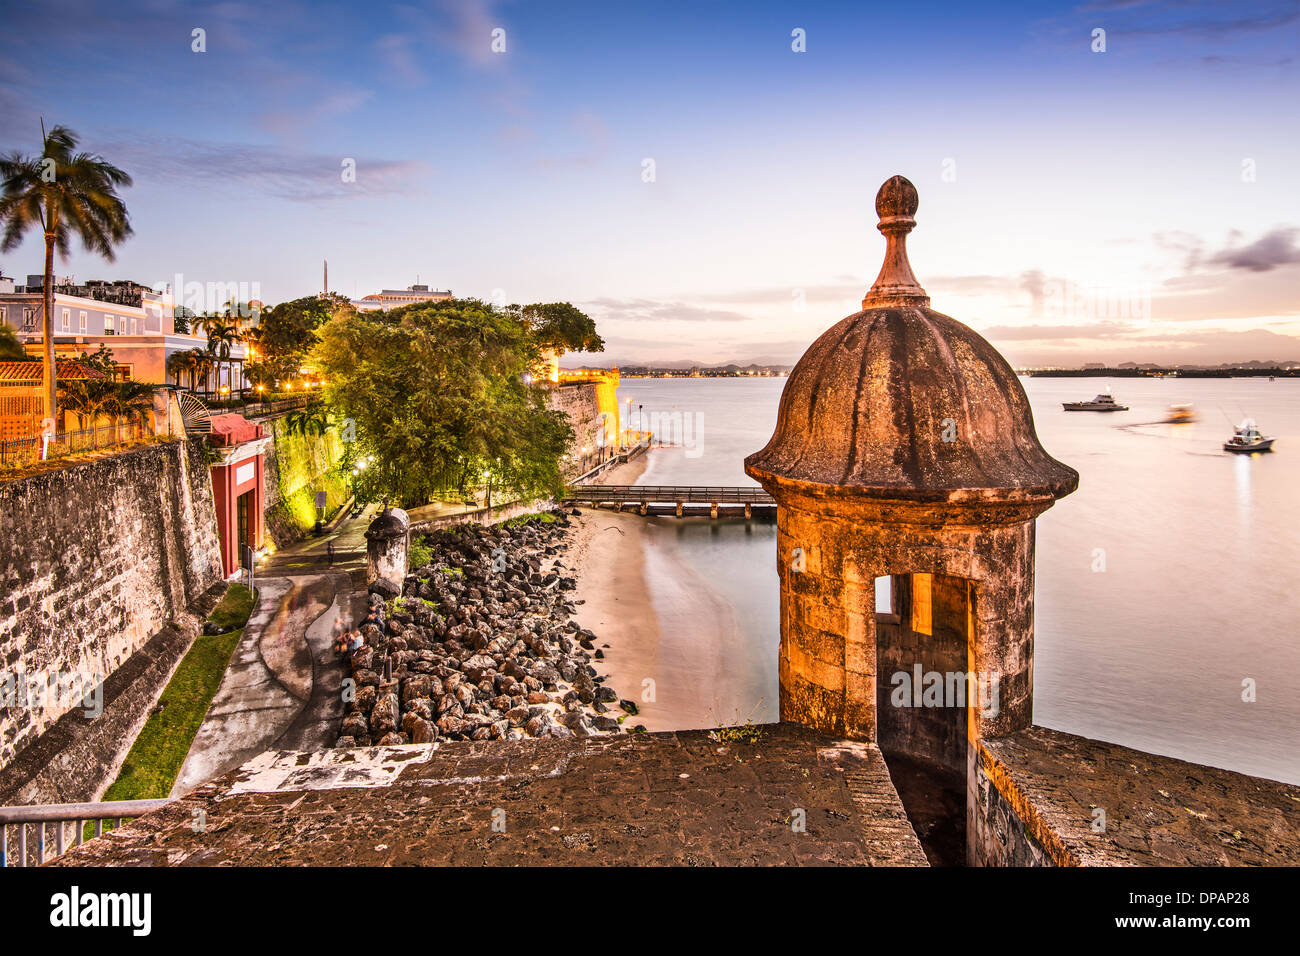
column 1201, row 582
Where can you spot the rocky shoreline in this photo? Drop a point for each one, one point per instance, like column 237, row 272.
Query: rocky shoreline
column 480, row 645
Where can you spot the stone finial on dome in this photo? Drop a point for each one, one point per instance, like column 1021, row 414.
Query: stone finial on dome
column 896, row 205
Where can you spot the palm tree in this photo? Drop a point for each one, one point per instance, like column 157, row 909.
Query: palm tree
column 178, row 363
column 131, row 401
column 311, row 419
column 61, row 192
column 220, row 339
column 201, row 368
column 88, row 398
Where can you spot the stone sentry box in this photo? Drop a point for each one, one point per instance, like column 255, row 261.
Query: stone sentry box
column 905, row 447
column 388, row 543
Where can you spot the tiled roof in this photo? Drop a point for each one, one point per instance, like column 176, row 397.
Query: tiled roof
column 22, row 372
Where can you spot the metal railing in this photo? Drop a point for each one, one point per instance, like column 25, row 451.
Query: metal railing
column 287, row 403
column 24, row 831
column 21, row 451
column 699, row 494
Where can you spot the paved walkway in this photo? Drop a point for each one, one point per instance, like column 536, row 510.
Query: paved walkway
column 349, row 546
column 281, row 688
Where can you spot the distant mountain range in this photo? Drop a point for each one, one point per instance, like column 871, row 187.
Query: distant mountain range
column 761, row 361
column 768, row 363
column 684, row 368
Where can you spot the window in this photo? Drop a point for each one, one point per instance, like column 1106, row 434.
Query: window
column 29, row 319
column 921, row 604
column 884, row 595
column 65, row 320
column 81, row 322
column 108, row 325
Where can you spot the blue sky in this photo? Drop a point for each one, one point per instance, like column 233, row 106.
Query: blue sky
column 1075, row 205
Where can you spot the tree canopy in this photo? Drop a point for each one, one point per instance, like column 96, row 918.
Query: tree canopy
column 285, row 335
column 561, row 327
column 11, row 347
column 440, row 397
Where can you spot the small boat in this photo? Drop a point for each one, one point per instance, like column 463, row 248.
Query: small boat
column 1246, row 438
column 1102, row 403
column 1181, row 414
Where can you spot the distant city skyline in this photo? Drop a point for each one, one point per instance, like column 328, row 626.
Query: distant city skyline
column 689, row 177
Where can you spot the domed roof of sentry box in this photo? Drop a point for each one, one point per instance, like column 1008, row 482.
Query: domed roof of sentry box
column 899, row 401
column 389, row 523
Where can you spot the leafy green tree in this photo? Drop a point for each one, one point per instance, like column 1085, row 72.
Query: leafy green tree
column 441, row 400
column 183, row 318
column 286, row 333
column 61, row 192
column 266, row 371
column 101, row 360
column 11, row 348
column 561, row 327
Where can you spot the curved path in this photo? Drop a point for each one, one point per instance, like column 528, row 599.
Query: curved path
column 281, row 688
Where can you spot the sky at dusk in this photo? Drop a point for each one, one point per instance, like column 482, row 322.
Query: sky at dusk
column 1137, row 204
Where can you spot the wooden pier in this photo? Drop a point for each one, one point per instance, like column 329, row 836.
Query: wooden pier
column 681, row 500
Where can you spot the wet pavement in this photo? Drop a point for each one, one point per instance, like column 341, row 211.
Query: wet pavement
column 281, row 688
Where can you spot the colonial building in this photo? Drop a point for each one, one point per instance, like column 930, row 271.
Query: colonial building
column 136, row 323
column 396, row 298
column 237, row 486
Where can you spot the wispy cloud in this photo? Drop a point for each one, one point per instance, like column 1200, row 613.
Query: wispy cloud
column 263, row 170
column 1275, row 248
column 331, row 106
column 1137, row 21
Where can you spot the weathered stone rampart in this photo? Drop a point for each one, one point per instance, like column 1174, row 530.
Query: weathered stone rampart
column 581, row 402
column 1042, row 797
column 96, row 559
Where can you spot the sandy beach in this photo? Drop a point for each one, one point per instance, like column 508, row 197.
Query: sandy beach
column 666, row 633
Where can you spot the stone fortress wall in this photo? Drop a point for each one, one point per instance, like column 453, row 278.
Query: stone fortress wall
column 97, row 559
column 592, row 407
column 296, row 467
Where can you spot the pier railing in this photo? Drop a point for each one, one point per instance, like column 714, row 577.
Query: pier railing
column 671, row 494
